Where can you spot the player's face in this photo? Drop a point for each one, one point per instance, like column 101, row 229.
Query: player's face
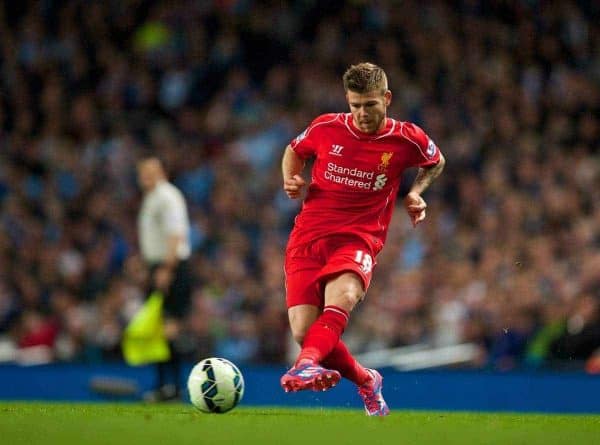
column 145, row 180
column 369, row 109
column 147, row 176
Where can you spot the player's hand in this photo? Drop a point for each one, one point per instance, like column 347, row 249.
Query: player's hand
column 293, row 186
column 415, row 206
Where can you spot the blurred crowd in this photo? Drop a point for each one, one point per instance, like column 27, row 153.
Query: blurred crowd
column 508, row 258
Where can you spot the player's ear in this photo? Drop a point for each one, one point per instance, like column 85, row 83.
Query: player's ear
column 388, row 97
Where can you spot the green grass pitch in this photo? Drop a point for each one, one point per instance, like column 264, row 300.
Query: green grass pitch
column 115, row 424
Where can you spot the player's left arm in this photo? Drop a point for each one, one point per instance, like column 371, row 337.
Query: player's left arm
column 413, row 202
column 426, row 176
column 430, row 161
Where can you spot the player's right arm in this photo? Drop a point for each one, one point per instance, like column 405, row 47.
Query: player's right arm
column 291, row 168
column 301, row 148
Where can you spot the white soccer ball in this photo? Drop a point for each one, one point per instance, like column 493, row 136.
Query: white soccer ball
column 215, row 385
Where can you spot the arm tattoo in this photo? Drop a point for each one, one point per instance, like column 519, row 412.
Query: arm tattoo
column 425, row 176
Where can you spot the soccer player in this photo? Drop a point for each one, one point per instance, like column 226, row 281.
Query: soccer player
column 359, row 158
column 163, row 224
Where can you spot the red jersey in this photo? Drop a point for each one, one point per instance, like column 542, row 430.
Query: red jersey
column 356, row 176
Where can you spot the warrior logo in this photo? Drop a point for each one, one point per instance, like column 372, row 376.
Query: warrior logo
column 336, row 150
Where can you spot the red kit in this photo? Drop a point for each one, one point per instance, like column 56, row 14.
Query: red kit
column 350, row 200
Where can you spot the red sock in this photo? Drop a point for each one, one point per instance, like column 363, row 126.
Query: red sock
column 341, row 360
column 323, row 334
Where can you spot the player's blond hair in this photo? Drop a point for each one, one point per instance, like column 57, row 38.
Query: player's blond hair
column 364, row 78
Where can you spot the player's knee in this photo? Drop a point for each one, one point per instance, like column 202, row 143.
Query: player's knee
column 345, row 291
column 353, row 298
column 348, row 299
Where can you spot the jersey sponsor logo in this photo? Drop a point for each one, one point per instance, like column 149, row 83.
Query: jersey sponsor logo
column 347, row 171
column 385, row 161
column 380, row 181
column 431, row 148
column 352, row 177
column 336, row 150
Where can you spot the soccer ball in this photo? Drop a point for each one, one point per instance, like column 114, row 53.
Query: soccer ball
column 216, row 385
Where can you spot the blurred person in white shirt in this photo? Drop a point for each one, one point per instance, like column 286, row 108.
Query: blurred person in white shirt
column 163, row 227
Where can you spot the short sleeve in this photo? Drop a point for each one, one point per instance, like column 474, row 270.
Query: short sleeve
column 425, row 153
column 174, row 214
column 305, row 144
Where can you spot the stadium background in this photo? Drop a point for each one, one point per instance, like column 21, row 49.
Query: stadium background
column 508, row 259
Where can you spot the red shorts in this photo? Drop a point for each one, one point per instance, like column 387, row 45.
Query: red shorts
column 310, row 265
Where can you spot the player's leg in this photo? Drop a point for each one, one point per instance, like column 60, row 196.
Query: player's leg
column 159, row 279
column 301, row 317
column 177, row 298
column 345, row 279
column 304, row 300
column 320, row 336
column 368, row 381
column 342, row 360
column 306, row 375
column 345, row 294
column 342, row 293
